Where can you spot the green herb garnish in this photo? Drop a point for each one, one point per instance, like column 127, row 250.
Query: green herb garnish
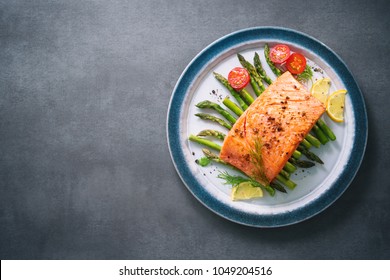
column 306, row 75
column 235, row 180
column 257, row 160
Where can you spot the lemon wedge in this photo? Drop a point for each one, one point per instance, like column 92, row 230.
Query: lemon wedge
column 246, row 190
column 320, row 89
column 335, row 105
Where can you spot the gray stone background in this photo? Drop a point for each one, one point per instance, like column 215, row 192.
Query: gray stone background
column 85, row 171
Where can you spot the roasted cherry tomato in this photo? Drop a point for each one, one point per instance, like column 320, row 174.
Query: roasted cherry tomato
column 279, row 53
column 238, row 78
column 296, row 63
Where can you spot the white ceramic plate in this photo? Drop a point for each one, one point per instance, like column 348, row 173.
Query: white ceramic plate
column 319, row 186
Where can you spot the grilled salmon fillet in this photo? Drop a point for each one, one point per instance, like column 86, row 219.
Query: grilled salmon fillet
column 269, row 131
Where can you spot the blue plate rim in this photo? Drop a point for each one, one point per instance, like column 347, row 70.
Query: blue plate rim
column 225, row 43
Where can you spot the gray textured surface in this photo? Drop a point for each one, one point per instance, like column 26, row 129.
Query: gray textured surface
column 85, row 171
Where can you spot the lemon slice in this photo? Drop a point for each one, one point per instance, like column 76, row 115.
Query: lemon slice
column 335, row 105
column 320, row 89
column 246, row 190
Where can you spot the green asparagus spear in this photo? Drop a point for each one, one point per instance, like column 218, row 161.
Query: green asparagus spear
column 274, row 69
column 253, row 74
column 211, row 105
column 246, row 96
column 270, row 190
column 213, row 133
column 274, row 184
column 290, row 168
column 204, row 142
column 310, row 155
column 204, row 161
column 256, row 89
column 260, row 70
column 210, row 155
column 214, row 119
column 235, row 94
column 326, row 129
column 232, row 106
column 313, row 140
column 285, row 174
column 287, row 182
column 296, row 154
column 306, row 144
column 289, row 171
column 302, row 163
column 320, row 135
